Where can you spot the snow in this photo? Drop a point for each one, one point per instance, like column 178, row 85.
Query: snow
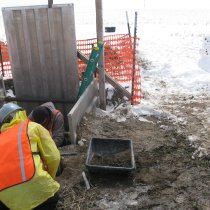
column 9, row 93
column 176, row 44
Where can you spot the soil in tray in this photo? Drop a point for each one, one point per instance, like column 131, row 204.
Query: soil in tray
column 121, row 159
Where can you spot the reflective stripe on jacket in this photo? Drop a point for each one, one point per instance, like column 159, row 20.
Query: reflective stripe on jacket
column 16, row 159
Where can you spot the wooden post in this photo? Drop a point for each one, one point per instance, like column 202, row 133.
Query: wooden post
column 50, row 3
column 86, row 180
column 100, row 38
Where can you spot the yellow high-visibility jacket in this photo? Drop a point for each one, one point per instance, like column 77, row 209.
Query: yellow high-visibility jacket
column 28, row 195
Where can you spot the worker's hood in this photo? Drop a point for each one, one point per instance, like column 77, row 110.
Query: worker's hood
column 50, row 106
column 19, row 117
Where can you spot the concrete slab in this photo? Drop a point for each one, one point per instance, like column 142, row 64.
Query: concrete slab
column 86, row 103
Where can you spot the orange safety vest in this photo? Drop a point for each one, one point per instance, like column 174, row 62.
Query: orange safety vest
column 52, row 121
column 16, row 158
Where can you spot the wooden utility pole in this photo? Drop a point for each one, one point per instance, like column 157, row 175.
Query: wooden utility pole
column 50, row 3
column 100, row 38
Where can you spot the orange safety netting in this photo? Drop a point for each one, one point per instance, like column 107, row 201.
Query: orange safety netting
column 5, row 67
column 120, row 61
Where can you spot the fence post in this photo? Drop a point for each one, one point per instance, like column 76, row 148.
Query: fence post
column 100, row 38
column 128, row 24
column 1, row 61
column 134, row 58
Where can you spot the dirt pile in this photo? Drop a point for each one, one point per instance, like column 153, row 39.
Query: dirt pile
column 169, row 172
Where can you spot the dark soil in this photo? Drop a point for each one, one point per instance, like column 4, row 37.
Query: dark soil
column 121, row 159
column 169, row 174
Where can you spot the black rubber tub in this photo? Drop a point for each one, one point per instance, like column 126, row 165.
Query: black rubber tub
column 109, row 155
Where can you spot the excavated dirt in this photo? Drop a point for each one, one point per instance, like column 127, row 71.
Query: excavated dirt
column 119, row 159
column 170, row 171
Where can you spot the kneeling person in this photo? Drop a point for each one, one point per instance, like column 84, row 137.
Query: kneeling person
column 29, row 161
column 52, row 119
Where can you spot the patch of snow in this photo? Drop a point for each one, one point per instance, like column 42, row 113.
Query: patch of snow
column 9, row 93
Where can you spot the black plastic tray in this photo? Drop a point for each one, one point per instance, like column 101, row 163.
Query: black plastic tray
column 106, row 149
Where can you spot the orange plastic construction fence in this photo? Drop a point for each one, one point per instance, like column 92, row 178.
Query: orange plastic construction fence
column 5, row 67
column 120, row 61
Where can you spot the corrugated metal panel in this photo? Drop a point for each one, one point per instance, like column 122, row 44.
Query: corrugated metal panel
column 42, row 45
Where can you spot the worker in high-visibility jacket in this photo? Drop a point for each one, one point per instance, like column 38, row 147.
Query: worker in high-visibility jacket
column 29, row 160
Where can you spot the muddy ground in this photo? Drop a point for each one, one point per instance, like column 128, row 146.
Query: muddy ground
column 171, row 156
